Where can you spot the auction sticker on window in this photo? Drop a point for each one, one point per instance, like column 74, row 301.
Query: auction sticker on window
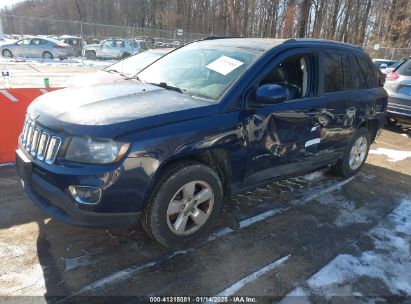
column 224, row 65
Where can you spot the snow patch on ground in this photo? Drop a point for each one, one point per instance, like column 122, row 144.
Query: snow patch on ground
column 314, row 176
column 57, row 62
column 393, row 155
column 389, row 262
column 366, row 176
column 348, row 213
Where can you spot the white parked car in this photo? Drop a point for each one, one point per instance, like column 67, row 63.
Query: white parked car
column 114, row 48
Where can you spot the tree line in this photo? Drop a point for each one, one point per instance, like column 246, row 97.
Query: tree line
column 384, row 22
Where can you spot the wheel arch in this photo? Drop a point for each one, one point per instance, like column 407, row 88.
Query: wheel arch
column 372, row 126
column 216, row 159
column 47, row 52
column 6, row 49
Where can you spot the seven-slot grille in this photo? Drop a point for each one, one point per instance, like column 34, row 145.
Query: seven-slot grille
column 39, row 142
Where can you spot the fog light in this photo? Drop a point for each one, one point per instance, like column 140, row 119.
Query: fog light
column 85, row 194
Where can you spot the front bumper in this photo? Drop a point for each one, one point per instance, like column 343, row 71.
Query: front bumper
column 58, row 204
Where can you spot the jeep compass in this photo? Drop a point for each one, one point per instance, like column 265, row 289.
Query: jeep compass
column 207, row 120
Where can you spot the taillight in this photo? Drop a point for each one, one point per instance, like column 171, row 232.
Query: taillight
column 392, row 76
column 57, row 46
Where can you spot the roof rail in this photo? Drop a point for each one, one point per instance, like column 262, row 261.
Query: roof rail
column 214, row 37
column 291, row 40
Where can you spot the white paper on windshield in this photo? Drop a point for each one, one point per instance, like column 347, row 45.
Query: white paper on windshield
column 224, row 65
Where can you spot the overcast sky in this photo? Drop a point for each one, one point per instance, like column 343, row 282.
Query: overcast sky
column 4, row 3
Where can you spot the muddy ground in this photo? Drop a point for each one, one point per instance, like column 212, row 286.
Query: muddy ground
column 306, row 239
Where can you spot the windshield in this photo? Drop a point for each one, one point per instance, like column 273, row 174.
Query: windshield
column 135, row 64
column 200, row 70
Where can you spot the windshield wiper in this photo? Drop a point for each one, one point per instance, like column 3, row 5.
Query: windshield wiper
column 167, row 86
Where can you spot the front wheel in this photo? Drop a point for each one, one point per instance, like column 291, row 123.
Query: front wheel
column 7, row 53
column 91, row 55
column 184, row 204
column 355, row 154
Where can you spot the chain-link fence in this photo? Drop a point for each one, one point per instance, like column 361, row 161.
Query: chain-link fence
column 19, row 26
column 389, row 53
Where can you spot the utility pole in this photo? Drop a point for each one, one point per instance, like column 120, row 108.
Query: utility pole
column 81, row 27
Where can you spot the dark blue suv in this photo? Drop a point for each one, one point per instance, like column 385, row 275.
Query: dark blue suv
column 208, row 120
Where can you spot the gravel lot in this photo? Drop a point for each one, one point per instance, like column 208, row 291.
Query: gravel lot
column 290, row 241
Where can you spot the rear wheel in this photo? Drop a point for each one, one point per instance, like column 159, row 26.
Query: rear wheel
column 355, row 154
column 7, row 53
column 125, row 55
column 47, row 55
column 184, row 204
column 91, row 55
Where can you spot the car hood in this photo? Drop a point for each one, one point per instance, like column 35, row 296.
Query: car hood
column 110, row 110
column 89, row 79
column 9, row 45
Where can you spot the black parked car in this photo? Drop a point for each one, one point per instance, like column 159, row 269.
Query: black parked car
column 205, row 121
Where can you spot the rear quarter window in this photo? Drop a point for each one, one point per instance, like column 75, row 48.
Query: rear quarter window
column 405, row 68
column 369, row 71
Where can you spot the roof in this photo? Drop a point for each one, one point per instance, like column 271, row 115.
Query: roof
column 70, row 36
column 251, row 43
column 268, row 43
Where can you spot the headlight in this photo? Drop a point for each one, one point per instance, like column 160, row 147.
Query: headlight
column 87, row 150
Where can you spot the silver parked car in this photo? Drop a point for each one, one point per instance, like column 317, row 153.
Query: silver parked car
column 114, row 48
column 398, row 86
column 46, row 48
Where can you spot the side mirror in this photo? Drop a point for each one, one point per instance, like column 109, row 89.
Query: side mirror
column 270, row 94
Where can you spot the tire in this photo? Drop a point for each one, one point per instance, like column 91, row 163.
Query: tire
column 181, row 183
column 125, row 55
column 353, row 160
column 91, row 55
column 47, row 55
column 7, row 53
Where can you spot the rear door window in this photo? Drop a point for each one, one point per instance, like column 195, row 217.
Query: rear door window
column 347, row 73
column 359, row 74
column 333, row 73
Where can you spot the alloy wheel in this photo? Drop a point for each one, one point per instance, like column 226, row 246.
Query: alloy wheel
column 358, row 153
column 190, row 208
